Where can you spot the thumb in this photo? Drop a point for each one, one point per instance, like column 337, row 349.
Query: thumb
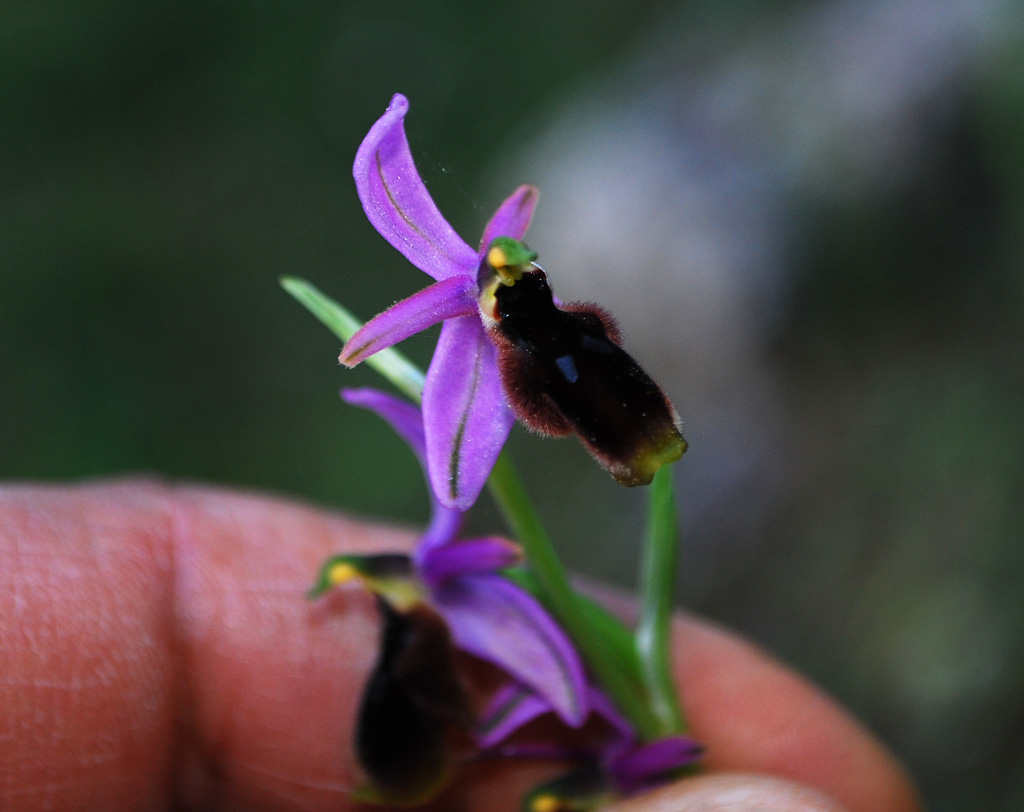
column 730, row 792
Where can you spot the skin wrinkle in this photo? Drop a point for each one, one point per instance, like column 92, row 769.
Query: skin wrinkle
column 191, row 772
column 153, row 642
column 87, row 669
column 305, row 783
column 242, row 715
column 278, row 785
column 205, row 736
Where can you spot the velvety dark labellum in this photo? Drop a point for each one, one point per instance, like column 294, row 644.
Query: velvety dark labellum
column 564, row 372
column 411, row 698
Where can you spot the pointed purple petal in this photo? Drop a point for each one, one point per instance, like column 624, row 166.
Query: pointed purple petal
column 466, row 416
column 443, row 300
column 470, row 557
column 642, row 766
column 512, row 217
column 498, row 621
column 398, row 204
column 509, row 709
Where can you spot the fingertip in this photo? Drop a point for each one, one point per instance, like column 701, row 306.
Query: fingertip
column 757, row 716
column 726, row 792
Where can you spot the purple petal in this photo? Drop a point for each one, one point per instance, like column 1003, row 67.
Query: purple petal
column 512, row 217
column 498, row 621
column 643, row 765
column 450, row 298
column 466, row 416
column 401, row 415
column 470, row 557
column 509, row 709
column 398, row 204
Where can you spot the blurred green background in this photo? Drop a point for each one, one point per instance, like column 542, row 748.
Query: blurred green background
column 846, row 352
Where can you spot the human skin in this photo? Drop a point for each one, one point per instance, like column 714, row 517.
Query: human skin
column 157, row 652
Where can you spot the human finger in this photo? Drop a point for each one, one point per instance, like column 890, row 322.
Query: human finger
column 158, row 651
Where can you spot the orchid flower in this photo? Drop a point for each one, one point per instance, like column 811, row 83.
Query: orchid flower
column 507, row 348
column 464, row 408
column 487, row 615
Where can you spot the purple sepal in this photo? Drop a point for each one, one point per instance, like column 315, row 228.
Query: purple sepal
column 499, row 622
column 465, row 415
column 398, row 204
column 449, row 298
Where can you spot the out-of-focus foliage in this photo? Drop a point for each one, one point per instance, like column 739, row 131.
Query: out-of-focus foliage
column 162, row 164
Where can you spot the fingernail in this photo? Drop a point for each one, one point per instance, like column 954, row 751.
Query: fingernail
column 731, row 792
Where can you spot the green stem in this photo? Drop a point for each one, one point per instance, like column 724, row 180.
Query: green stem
column 657, row 581
column 514, row 503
